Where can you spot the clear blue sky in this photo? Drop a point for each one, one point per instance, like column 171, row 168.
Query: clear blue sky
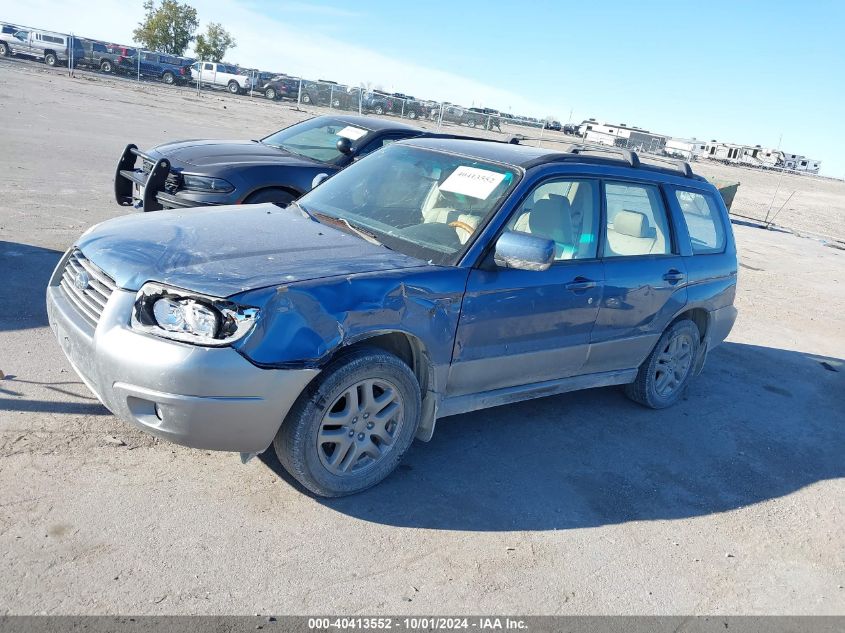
column 734, row 71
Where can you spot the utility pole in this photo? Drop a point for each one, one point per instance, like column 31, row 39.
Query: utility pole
column 777, row 189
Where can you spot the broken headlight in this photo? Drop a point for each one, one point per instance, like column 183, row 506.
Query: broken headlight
column 189, row 317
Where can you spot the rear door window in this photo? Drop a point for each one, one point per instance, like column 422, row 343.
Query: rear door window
column 636, row 222
column 704, row 221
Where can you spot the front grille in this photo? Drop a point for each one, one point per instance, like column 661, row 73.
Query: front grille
column 89, row 298
column 174, row 178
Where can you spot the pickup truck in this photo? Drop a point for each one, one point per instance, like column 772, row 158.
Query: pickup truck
column 50, row 47
column 222, row 75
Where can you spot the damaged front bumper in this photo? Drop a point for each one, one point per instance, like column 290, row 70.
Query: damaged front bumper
column 209, row 398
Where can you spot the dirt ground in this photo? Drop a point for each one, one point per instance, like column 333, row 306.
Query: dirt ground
column 729, row 502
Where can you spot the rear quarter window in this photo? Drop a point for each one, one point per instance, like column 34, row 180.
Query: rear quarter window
column 704, row 221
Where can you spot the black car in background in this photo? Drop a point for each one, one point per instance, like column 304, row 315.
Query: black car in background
column 278, row 168
column 552, row 125
column 281, row 87
column 322, row 92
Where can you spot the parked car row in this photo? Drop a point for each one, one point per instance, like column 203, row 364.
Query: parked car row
column 57, row 49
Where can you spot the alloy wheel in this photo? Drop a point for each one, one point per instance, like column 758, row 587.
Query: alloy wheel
column 360, row 427
column 673, row 365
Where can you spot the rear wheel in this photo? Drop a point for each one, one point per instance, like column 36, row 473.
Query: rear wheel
column 4, row 50
column 471, row 123
column 412, row 114
column 336, row 103
column 234, row 87
column 169, row 78
column 379, row 110
column 50, row 59
column 270, row 93
column 106, row 66
column 351, row 427
column 280, row 197
column 306, row 98
column 665, row 374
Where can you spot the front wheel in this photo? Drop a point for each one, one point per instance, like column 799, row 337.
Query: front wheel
column 4, row 50
column 667, row 371
column 106, row 66
column 412, row 114
column 234, row 87
column 50, row 59
column 351, row 427
column 306, row 98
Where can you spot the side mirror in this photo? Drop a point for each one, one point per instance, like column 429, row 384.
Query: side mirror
column 524, row 251
column 344, row 146
column 318, row 179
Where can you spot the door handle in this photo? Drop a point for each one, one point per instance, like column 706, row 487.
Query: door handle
column 674, row 276
column 581, row 283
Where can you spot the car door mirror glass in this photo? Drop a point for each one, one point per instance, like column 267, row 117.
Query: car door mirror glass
column 523, row 251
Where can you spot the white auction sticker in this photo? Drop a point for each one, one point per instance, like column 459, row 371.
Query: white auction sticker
column 473, row 182
column 352, row 133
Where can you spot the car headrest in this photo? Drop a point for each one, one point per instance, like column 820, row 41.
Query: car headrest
column 632, row 223
column 551, row 218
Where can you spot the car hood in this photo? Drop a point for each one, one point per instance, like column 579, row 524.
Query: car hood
column 222, row 251
column 216, row 153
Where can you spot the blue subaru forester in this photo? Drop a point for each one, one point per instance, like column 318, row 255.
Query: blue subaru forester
column 431, row 278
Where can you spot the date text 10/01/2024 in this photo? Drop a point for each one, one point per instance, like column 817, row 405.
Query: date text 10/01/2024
column 415, row 623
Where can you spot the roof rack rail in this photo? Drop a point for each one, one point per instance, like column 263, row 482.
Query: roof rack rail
column 681, row 165
column 627, row 155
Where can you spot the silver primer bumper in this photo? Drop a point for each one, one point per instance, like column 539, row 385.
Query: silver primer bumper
column 209, row 398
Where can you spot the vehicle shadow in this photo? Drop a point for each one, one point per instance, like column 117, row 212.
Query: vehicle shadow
column 758, row 424
column 27, row 270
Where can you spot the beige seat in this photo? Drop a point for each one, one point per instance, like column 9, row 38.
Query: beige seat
column 631, row 234
column 550, row 218
column 437, row 209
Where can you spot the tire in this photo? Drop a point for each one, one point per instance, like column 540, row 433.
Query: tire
column 306, row 98
column 270, row 93
column 106, row 66
column 234, row 87
column 412, row 114
column 365, row 459
column 379, row 110
column 673, row 360
column 50, row 59
column 169, row 78
column 280, row 197
column 471, row 123
column 4, row 50
column 336, row 103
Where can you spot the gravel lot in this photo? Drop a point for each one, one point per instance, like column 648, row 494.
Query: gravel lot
column 730, row 502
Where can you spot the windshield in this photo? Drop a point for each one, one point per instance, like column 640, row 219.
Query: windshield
column 420, row 202
column 317, row 139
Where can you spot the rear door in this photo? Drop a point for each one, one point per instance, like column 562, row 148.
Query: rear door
column 521, row 327
column 644, row 274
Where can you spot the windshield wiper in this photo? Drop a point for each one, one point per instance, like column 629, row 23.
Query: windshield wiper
column 330, row 219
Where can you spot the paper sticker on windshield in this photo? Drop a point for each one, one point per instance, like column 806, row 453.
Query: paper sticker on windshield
column 352, row 133
column 473, row 182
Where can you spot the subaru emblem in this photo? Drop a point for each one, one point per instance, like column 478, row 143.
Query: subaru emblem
column 82, row 280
